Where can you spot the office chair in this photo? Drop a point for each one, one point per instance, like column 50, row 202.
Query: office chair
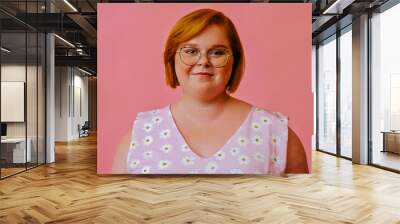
column 84, row 130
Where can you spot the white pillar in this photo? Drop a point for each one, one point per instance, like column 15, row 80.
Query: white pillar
column 360, row 89
column 50, row 91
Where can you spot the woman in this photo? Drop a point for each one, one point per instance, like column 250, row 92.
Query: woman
column 207, row 130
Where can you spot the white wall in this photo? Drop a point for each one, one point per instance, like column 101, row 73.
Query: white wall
column 33, row 127
column 16, row 73
column 71, row 92
column 61, row 103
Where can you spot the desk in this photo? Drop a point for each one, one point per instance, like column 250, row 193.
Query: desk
column 16, row 147
column 391, row 141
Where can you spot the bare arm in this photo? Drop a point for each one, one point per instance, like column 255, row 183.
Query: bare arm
column 119, row 163
column 296, row 156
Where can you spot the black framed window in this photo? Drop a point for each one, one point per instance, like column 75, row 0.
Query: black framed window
column 326, row 94
column 384, row 113
column 22, row 77
column 334, row 94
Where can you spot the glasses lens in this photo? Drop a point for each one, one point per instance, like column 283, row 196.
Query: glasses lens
column 218, row 57
column 189, row 55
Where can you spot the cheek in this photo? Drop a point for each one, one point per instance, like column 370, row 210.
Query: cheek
column 181, row 69
column 226, row 72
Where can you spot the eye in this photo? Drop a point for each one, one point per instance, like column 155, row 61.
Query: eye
column 190, row 51
column 217, row 52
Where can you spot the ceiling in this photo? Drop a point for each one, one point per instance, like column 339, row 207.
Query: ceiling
column 76, row 22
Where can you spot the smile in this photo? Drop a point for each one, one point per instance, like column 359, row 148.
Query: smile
column 203, row 74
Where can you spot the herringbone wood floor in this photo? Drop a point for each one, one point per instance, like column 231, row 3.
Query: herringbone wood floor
column 70, row 191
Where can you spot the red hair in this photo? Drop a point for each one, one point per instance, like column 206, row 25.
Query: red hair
column 190, row 26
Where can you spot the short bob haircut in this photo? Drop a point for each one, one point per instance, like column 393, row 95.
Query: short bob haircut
column 193, row 24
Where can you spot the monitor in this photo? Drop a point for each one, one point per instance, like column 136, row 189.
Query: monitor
column 3, row 129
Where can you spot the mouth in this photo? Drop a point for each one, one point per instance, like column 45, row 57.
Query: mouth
column 203, row 74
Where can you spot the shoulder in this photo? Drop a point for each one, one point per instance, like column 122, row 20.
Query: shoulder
column 259, row 111
column 151, row 116
column 272, row 117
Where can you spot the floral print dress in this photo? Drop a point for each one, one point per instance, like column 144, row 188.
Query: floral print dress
column 258, row 146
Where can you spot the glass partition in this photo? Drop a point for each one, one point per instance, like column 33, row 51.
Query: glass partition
column 385, row 89
column 13, row 109
column 22, row 78
column 327, row 95
column 346, row 93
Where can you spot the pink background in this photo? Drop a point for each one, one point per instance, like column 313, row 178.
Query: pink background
column 131, row 37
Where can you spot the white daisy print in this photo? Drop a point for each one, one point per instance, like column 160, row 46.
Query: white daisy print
column 164, row 164
column 155, row 111
column 188, row 160
column 258, row 109
column 147, row 127
column 235, row 151
column 166, row 148
column 274, row 140
column 259, row 156
column 146, row 169
column 275, row 158
column 256, row 140
column 211, row 167
column 244, row 160
column 256, row 126
column 184, row 148
column 134, row 144
column 220, row 155
column 264, row 120
column 242, row 141
column 164, row 134
column 134, row 163
column 281, row 117
column 148, row 154
column 147, row 140
column 235, row 171
column 157, row 119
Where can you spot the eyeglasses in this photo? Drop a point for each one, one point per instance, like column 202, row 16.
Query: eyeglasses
column 218, row 57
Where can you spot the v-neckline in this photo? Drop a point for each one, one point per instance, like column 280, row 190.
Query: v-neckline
column 222, row 147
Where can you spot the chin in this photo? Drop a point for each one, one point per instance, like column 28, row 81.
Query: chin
column 204, row 93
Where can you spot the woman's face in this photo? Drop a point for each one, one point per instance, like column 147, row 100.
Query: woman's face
column 202, row 79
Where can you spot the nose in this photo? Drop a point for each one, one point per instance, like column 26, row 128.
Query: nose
column 203, row 60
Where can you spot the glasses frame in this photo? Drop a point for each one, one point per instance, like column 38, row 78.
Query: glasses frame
column 208, row 57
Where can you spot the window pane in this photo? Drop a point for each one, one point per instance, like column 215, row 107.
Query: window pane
column 327, row 96
column 385, row 88
column 346, row 94
column 31, row 99
column 14, row 153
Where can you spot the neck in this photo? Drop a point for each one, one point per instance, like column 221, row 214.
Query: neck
column 203, row 110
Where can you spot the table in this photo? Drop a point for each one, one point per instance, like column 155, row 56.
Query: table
column 391, row 141
column 16, row 147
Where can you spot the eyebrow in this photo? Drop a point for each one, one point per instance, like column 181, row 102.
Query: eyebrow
column 213, row 46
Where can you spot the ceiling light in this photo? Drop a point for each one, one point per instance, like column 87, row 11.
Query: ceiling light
column 86, row 72
column 338, row 6
column 70, row 5
column 64, row 40
column 5, row 49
